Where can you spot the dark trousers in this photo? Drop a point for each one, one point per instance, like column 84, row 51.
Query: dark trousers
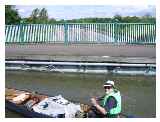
column 94, row 113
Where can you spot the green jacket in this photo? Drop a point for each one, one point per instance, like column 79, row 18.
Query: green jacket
column 117, row 96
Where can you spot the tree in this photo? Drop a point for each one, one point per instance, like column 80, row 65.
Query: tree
column 34, row 16
column 11, row 15
column 117, row 18
column 52, row 21
column 43, row 16
column 147, row 18
column 39, row 16
column 35, row 13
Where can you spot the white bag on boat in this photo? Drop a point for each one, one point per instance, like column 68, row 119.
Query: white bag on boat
column 71, row 109
column 59, row 99
column 53, row 106
column 49, row 107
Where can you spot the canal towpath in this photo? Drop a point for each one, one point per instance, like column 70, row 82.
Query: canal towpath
column 82, row 52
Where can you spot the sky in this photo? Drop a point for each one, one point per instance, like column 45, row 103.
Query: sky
column 81, row 11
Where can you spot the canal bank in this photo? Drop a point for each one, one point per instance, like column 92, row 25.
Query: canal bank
column 82, row 58
column 89, row 64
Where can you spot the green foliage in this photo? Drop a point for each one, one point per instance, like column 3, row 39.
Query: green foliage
column 90, row 20
column 11, row 15
column 34, row 16
column 52, row 20
column 43, row 16
column 135, row 19
column 40, row 16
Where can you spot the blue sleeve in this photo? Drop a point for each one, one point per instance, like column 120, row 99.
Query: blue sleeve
column 110, row 103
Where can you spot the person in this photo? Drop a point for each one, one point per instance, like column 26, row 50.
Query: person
column 108, row 105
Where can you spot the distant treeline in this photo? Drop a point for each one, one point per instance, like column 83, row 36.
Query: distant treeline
column 40, row 16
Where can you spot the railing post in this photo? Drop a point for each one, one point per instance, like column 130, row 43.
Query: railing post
column 21, row 31
column 115, row 32
column 65, row 33
column 154, row 39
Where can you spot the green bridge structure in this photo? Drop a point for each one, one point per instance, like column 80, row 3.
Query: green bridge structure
column 91, row 33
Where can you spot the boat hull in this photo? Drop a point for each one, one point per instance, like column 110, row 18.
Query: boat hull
column 29, row 113
column 25, row 112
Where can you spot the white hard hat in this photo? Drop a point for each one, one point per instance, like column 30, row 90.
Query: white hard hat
column 109, row 83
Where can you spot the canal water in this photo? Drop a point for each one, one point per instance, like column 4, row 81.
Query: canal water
column 138, row 92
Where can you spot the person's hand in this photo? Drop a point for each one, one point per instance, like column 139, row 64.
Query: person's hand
column 93, row 101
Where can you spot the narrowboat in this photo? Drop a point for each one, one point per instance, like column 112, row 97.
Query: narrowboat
column 36, row 105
